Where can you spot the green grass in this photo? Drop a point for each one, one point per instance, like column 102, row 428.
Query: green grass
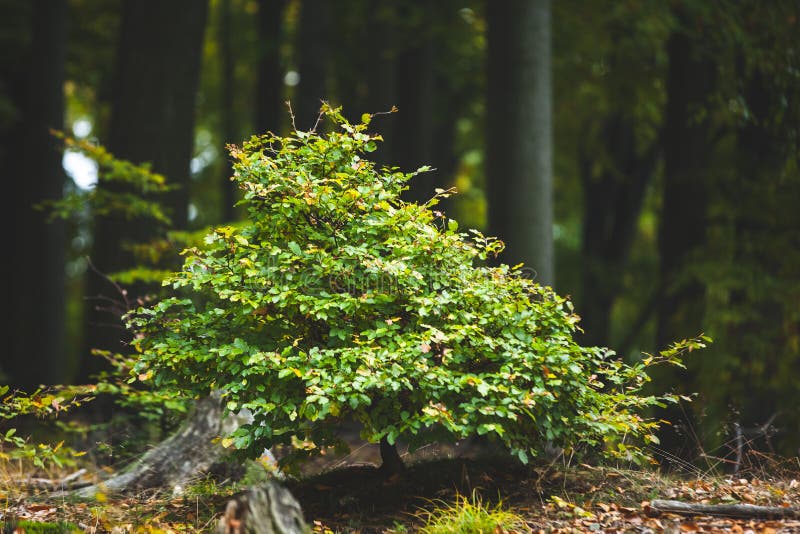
column 471, row 516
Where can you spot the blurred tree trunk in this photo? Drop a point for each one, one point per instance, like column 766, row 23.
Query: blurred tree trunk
column 270, row 109
column 412, row 141
column 688, row 149
column 758, row 317
column 227, row 60
column 612, row 204
column 450, row 104
column 32, row 161
column 152, row 120
column 519, row 129
column 381, row 76
column 312, row 49
column 429, row 102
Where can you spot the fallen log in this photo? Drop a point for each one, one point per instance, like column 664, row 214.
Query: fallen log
column 265, row 509
column 736, row 511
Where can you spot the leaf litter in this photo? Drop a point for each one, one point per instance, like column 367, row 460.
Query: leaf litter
column 356, row 498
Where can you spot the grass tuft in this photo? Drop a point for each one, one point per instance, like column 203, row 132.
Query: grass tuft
column 471, row 516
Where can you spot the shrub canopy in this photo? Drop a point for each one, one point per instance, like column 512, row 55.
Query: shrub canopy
column 337, row 300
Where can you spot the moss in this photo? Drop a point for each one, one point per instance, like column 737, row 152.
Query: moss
column 33, row 527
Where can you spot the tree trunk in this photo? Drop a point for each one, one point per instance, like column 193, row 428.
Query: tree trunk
column 227, row 60
column 312, row 49
column 688, row 148
column 380, row 71
column 412, row 143
column 270, row 109
column 391, row 463
column 519, row 129
column 612, row 205
column 152, row 120
column 755, row 325
column 687, row 156
column 188, row 453
column 33, row 164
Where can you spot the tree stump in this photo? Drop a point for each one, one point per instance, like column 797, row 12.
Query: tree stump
column 265, row 509
column 186, row 454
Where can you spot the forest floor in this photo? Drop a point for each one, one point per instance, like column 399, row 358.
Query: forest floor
column 349, row 495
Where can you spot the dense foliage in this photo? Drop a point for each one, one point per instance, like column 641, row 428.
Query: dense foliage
column 336, row 300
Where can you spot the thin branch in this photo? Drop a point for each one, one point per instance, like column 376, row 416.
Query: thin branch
column 393, row 110
column 739, row 445
column 319, row 117
column 122, row 291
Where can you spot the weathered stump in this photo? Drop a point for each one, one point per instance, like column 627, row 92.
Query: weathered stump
column 186, row 454
column 265, row 509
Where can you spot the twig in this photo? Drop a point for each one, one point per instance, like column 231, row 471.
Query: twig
column 122, row 291
column 751, row 434
column 291, row 114
column 319, row 118
column 393, row 110
column 739, row 446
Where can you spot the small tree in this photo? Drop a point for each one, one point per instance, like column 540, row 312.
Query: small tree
column 337, row 300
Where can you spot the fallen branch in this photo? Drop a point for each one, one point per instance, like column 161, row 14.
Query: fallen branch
column 68, row 482
column 739, row 511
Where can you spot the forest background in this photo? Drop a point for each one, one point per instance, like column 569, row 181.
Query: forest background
column 640, row 156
